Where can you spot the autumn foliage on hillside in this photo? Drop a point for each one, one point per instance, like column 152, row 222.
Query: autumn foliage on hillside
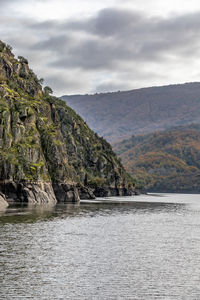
column 164, row 161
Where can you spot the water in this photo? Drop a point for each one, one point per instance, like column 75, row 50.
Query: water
column 145, row 247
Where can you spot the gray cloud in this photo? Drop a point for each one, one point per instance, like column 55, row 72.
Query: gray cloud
column 123, row 81
column 14, row 2
column 111, row 22
column 116, row 36
column 56, row 44
column 59, row 80
column 108, row 22
column 3, row 2
column 112, row 42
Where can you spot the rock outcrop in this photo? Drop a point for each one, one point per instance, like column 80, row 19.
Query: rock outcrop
column 3, row 202
column 47, row 152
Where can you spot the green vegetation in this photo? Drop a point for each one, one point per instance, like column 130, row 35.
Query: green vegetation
column 47, row 89
column 96, row 182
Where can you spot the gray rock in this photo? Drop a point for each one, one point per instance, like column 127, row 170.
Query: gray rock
column 3, row 202
column 29, row 192
column 66, row 192
column 86, row 193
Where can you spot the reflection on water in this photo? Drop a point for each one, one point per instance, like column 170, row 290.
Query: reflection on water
column 144, row 247
column 18, row 212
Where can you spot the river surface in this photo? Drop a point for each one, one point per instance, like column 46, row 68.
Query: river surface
column 144, row 247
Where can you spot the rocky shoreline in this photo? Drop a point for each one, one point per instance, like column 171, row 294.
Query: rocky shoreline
column 46, row 192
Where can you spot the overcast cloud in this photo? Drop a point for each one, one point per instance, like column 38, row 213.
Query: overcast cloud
column 115, row 46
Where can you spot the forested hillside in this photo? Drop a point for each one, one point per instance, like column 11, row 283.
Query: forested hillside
column 164, row 161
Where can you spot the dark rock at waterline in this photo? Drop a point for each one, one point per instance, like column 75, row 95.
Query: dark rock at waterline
column 109, row 192
column 66, row 192
column 86, row 193
column 28, row 192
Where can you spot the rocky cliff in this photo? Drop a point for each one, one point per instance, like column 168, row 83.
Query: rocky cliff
column 47, row 152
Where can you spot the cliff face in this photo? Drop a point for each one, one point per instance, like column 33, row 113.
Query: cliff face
column 47, row 152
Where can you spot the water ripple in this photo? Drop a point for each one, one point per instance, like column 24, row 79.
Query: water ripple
column 144, row 249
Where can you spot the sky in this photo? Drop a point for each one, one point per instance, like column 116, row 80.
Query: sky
column 90, row 46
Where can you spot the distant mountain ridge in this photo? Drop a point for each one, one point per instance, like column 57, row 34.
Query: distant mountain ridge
column 119, row 115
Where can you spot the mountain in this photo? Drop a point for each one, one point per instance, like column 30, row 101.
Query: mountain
column 119, row 115
column 167, row 161
column 47, row 152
